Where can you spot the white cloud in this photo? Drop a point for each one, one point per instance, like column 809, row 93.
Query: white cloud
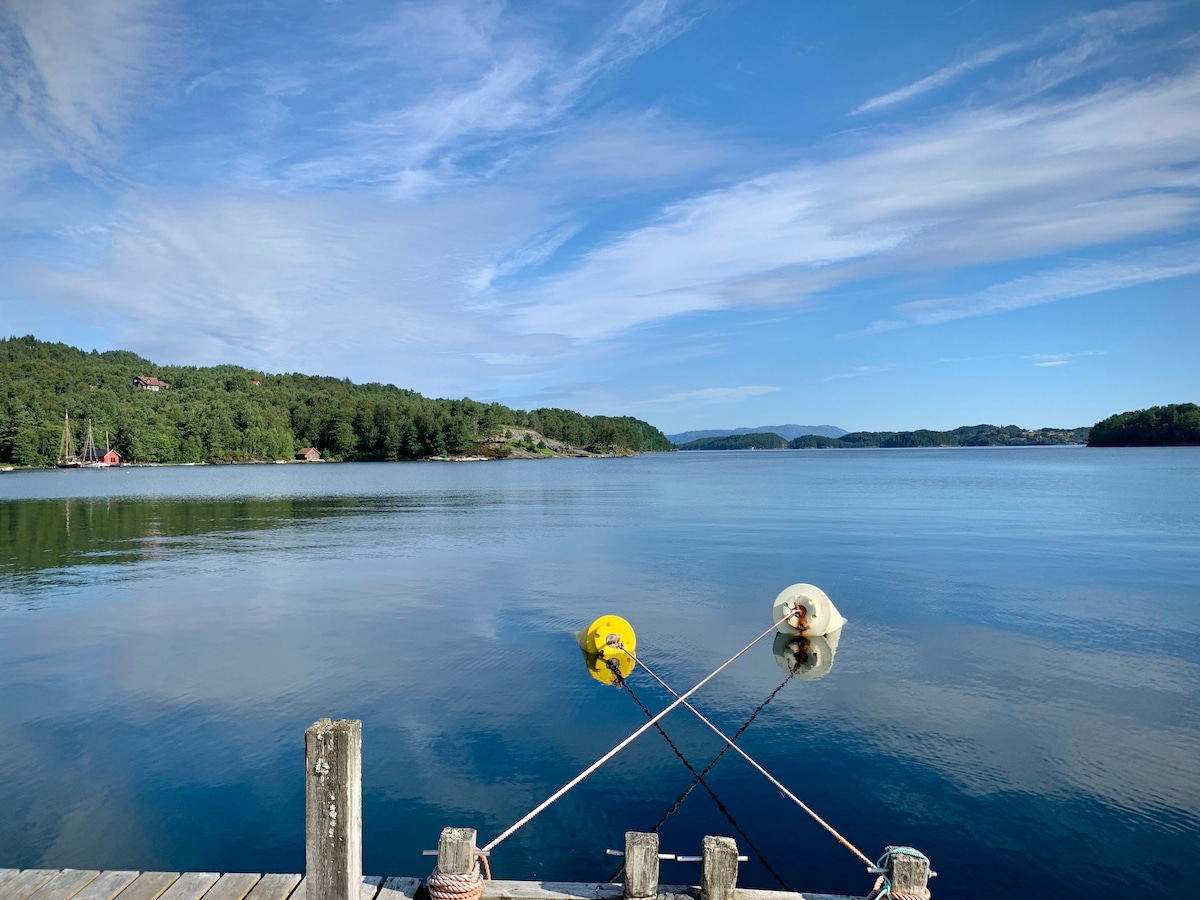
column 1045, row 360
column 74, row 69
column 1087, row 34
column 977, row 187
column 859, row 371
column 1075, row 280
column 720, row 394
column 477, row 79
column 296, row 284
column 941, row 77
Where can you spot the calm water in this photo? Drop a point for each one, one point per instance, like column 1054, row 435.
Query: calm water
column 1017, row 692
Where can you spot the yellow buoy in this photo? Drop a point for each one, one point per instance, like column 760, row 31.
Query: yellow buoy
column 601, row 643
column 606, row 635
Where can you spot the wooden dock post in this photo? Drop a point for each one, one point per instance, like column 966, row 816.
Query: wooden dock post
column 641, row 865
column 333, row 809
column 908, row 874
column 456, row 851
column 719, row 869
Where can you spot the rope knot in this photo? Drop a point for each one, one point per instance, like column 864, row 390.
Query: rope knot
column 883, row 889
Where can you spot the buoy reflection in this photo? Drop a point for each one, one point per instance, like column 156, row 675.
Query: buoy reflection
column 606, row 669
column 808, row 658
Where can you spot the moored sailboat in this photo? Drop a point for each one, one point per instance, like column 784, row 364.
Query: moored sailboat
column 67, row 458
column 91, row 458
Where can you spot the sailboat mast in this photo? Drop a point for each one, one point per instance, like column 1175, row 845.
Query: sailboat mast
column 66, row 438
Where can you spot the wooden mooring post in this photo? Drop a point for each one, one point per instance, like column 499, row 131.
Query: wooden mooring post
column 333, row 809
column 641, row 865
column 908, row 874
column 456, row 851
column 718, row 869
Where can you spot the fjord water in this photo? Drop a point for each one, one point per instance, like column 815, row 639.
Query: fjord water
column 1017, row 692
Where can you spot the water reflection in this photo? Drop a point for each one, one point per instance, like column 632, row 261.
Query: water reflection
column 39, row 539
column 808, row 658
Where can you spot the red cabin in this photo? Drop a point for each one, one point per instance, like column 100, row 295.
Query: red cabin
column 107, row 457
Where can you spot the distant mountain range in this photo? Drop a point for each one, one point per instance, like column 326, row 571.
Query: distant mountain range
column 787, row 432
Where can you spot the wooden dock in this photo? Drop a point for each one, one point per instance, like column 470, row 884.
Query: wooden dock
column 333, row 858
column 91, row 884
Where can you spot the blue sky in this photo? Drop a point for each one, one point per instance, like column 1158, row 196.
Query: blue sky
column 711, row 214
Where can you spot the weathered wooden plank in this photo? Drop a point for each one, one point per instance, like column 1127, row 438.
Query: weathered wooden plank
column 367, row 891
column 148, row 886
column 398, row 889
column 550, row 890
column 190, row 886
column 25, row 883
column 274, row 887
column 233, row 886
column 6, row 874
column 333, row 808
column 106, row 885
column 65, row 885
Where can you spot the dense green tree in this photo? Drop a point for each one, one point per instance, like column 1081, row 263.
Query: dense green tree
column 227, row 413
column 1174, row 424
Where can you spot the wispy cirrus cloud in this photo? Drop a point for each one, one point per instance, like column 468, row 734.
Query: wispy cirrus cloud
column 1085, row 36
column 474, row 80
column 1050, row 360
column 1077, row 279
column 719, row 394
column 859, row 371
column 978, row 186
column 75, row 70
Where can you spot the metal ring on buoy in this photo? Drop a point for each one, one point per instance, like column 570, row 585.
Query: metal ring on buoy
column 604, row 637
column 805, row 609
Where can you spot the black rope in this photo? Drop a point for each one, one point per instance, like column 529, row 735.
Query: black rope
column 699, row 776
column 691, row 787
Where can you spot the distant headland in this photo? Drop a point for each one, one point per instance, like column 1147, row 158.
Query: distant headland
column 1176, row 424
column 184, row 414
column 966, row 436
column 1173, row 425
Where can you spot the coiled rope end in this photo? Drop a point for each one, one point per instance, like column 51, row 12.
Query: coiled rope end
column 466, row 886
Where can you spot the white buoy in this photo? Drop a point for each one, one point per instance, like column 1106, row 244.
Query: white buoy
column 805, row 609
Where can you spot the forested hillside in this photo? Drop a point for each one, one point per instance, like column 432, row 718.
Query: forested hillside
column 1173, row 424
column 964, row 436
column 227, row 413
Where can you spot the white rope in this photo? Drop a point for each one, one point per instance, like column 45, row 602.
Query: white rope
column 845, row 843
column 528, row 817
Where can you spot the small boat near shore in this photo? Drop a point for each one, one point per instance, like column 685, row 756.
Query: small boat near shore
column 89, row 457
column 67, row 458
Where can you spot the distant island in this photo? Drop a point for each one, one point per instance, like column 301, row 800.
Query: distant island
column 759, row 441
column 1174, row 425
column 180, row 414
column 965, row 436
column 787, row 432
